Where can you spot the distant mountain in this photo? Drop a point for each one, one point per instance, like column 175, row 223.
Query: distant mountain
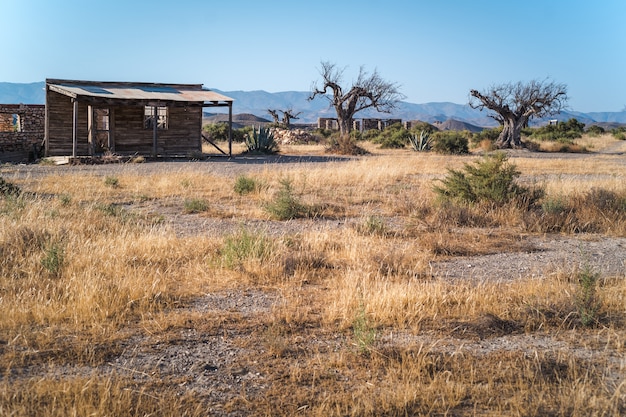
column 15, row 93
column 258, row 102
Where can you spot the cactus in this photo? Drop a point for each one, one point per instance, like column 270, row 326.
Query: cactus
column 261, row 141
column 421, row 143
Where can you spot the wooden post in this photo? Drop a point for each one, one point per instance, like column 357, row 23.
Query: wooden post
column 155, row 136
column 47, row 123
column 230, row 129
column 90, row 129
column 75, row 128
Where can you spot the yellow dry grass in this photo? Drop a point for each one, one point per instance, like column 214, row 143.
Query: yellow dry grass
column 92, row 268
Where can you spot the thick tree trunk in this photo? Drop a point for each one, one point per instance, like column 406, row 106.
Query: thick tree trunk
column 345, row 124
column 511, row 135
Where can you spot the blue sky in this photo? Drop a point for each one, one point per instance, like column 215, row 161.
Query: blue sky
column 435, row 50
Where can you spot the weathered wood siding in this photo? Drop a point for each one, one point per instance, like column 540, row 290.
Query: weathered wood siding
column 128, row 133
column 180, row 138
column 60, row 114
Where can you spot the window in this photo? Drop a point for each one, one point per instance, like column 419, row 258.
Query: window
column 161, row 117
column 10, row 122
column 101, row 117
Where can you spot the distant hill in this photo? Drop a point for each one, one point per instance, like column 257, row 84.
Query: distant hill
column 258, row 102
column 452, row 124
column 14, row 93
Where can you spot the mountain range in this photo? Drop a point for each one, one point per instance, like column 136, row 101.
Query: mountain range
column 259, row 102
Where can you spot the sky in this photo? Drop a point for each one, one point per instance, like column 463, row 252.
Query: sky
column 436, row 51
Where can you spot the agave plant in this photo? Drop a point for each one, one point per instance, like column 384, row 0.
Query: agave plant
column 261, row 141
column 421, row 143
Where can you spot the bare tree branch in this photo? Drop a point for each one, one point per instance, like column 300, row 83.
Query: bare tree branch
column 516, row 103
column 368, row 91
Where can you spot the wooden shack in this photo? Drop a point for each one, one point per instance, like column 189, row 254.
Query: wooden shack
column 90, row 117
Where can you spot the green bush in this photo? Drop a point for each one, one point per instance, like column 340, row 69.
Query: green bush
column 261, row 141
column 450, row 143
column 619, row 133
column 112, row 182
column 195, row 205
column 245, row 185
column 595, row 130
column 487, row 134
column 285, row 205
column 491, row 180
column 393, row 137
column 564, row 132
column 587, row 301
column 53, row 259
column 245, row 245
column 218, row 132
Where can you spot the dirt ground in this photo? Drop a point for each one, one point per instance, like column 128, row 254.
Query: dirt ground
column 218, row 362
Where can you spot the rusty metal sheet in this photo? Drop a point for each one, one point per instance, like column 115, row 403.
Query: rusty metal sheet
column 140, row 92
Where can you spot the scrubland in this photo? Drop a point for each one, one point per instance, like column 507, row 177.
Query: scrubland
column 311, row 288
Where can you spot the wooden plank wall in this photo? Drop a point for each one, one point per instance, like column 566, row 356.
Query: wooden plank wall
column 182, row 137
column 60, row 113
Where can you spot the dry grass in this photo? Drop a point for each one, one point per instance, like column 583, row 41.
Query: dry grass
column 92, row 271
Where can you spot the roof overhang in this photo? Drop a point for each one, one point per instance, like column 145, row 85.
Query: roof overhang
column 138, row 93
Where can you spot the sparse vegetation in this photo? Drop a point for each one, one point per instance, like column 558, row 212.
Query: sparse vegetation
column 450, row 143
column 421, row 142
column 379, row 307
column 285, row 204
column 196, row 205
column 261, row 141
column 491, row 180
column 245, row 185
column 7, row 188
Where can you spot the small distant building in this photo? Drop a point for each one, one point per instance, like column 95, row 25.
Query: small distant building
column 84, row 118
column 21, row 131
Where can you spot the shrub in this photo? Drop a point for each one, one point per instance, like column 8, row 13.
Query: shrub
column 112, row 182
column 595, row 130
column 487, row 134
column 261, row 141
column 245, row 185
column 619, row 133
column 53, row 259
column 586, row 298
column 564, row 132
column 491, row 180
column 195, row 205
column 285, row 205
column 393, row 137
column 343, row 145
column 373, row 225
column 8, row 189
column 245, row 245
column 364, row 332
column 450, row 142
column 218, row 132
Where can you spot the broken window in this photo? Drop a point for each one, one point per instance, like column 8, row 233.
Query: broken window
column 161, row 117
column 10, row 122
column 102, row 119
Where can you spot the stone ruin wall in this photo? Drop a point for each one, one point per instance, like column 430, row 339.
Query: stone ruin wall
column 22, row 130
column 358, row 124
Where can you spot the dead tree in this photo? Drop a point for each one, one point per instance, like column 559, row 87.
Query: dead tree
column 288, row 115
column 368, row 91
column 515, row 104
column 274, row 114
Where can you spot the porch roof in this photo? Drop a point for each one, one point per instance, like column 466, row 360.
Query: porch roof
column 138, row 92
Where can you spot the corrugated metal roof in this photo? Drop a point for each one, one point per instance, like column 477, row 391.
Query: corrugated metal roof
column 139, row 91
